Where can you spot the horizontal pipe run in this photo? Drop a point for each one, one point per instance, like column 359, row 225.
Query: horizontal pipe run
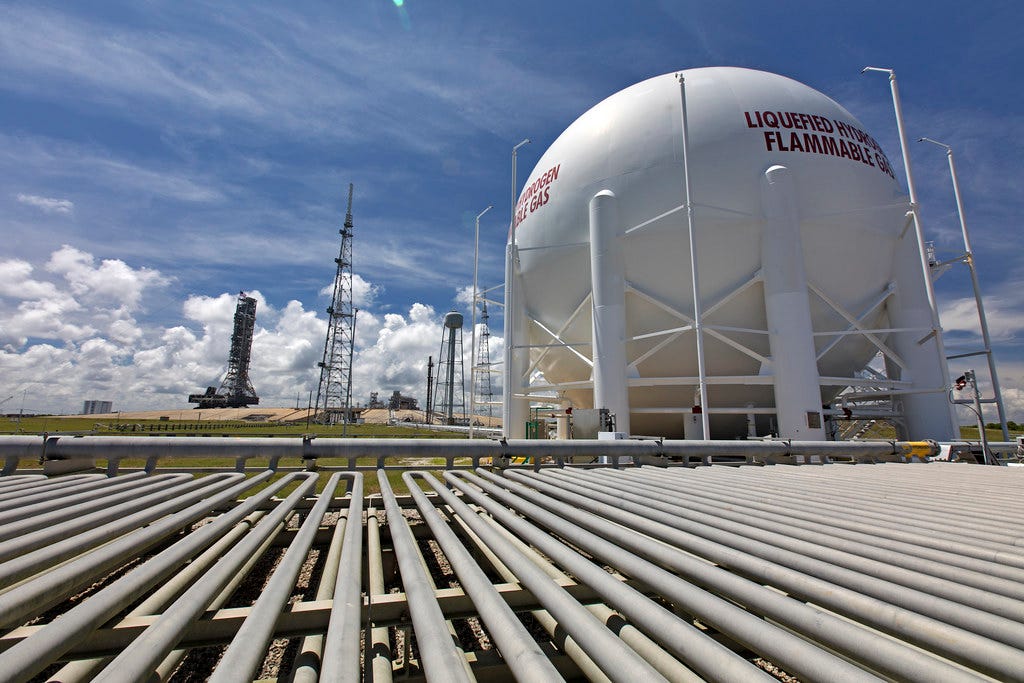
column 736, row 507
column 438, row 652
column 118, row 448
column 751, row 559
column 246, row 651
column 696, row 650
column 22, row 566
column 341, row 643
column 157, row 641
column 29, row 656
column 524, row 657
column 616, row 545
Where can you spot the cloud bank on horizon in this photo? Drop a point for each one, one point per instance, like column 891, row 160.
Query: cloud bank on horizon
column 160, row 158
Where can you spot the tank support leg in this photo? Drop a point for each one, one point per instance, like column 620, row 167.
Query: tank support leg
column 787, row 305
column 608, row 283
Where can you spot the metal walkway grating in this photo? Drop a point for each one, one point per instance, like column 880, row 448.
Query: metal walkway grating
column 833, row 572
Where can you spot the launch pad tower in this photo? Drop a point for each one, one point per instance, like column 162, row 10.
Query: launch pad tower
column 236, row 390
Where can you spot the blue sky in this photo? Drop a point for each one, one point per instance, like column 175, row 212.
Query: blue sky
column 158, row 157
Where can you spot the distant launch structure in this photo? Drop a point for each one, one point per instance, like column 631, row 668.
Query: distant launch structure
column 334, row 395
column 236, row 390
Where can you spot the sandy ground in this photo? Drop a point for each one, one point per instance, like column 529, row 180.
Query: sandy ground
column 370, row 416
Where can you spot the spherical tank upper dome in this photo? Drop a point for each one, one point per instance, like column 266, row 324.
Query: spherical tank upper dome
column 740, row 122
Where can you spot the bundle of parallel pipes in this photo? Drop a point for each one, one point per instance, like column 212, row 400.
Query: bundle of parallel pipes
column 846, row 571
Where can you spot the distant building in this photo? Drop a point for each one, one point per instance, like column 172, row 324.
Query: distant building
column 399, row 402
column 97, row 407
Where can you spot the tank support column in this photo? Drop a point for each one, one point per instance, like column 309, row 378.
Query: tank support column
column 515, row 410
column 608, row 284
column 787, row 306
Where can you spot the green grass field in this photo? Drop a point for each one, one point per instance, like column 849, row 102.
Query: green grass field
column 84, row 425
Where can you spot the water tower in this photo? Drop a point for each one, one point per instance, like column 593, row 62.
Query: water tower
column 449, row 390
column 721, row 248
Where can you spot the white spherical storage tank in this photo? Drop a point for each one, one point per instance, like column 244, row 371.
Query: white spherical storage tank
column 805, row 268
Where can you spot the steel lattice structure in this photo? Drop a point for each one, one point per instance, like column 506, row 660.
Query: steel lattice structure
column 484, row 398
column 334, row 395
column 236, row 391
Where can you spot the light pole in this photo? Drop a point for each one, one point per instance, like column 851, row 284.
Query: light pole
column 507, row 411
column 968, row 258
column 918, row 229
column 472, row 351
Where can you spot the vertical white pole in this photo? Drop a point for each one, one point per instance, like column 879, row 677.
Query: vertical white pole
column 938, row 348
column 982, row 319
column 472, row 351
column 513, row 414
column 698, row 324
column 788, row 310
column 608, row 327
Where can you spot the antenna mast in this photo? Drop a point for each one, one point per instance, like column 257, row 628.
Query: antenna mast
column 334, row 395
column 484, row 391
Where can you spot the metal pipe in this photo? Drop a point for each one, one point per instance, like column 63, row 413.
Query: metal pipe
column 153, row 644
column 522, row 655
column 698, row 323
column 11, row 499
column 950, row 641
column 511, row 408
column 341, row 643
column 29, row 554
column 380, row 642
column 971, row 266
column 893, row 527
column 965, row 531
column 697, row 651
column 247, row 650
column 786, row 539
column 664, row 662
column 737, row 507
column 450, row 449
column 36, row 503
column 32, row 655
column 170, row 663
column 307, row 662
column 437, row 651
column 559, row 637
column 601, row 538
column 44, row 515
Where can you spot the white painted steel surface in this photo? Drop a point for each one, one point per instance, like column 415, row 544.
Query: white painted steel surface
column 852, row 219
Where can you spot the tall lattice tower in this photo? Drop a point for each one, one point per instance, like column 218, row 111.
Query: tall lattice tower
column 450, row 390
column 334, row 396
column 484, row 398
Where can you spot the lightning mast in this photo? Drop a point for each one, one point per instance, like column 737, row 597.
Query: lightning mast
column 334, row 396
column 483, row 369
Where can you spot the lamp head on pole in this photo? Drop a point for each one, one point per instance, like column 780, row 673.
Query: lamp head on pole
column 875, row 68
column 936, row 142
column 525, row 141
